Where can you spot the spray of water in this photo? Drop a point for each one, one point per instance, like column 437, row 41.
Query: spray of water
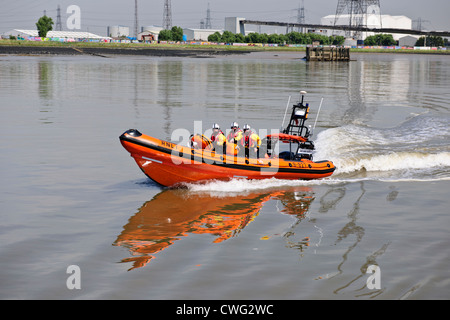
column 416, row 150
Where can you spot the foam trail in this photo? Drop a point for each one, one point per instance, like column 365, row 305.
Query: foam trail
column 417, row 147
column 244, row 185
column 394, row 161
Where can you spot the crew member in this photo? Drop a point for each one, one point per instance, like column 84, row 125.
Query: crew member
column 250, row 142
column 233, row 138
column 218, row 139
column 235, row 134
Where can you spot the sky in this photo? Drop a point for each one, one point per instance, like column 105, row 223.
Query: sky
column 97, row 15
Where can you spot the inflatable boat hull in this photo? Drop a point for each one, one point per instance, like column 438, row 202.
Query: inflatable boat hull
column 173, row 165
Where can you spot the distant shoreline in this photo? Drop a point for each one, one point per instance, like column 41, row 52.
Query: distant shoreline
column 13, row 47
column 106, row 51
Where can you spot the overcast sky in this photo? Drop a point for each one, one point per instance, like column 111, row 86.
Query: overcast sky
column 96, row 15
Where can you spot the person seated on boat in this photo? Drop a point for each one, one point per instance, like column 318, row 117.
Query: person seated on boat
column 235, row 134
column 200, row 141
column 218, row 139
column 250, row 142
column 233, row 138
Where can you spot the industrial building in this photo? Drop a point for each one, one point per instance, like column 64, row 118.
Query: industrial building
column 21, row 33
column 234, row 25
column 118, row 31
column 372, row 20
column 408, row 41
column 149, row 33
column 199, row 34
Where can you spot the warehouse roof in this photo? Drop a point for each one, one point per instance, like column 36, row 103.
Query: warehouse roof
column 57, row 34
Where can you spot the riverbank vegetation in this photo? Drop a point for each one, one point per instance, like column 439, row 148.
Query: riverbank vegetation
column 167, row 45
column 289, row 38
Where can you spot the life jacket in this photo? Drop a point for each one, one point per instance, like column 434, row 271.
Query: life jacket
column 236, row 135
column 250, row 141
column 214, row 136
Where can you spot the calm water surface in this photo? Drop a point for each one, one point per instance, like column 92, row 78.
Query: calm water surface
column 71, row 195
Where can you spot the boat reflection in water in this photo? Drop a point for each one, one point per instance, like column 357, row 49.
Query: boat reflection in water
column 175, row 213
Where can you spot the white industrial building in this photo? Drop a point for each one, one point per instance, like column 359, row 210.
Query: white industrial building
column 54, row 34
column 371, row 20
column 149, row 33
column 153, row 29
column 408, row 41
column 190, row 33
column 199, row 34
column 118, row 31
column 234, row 25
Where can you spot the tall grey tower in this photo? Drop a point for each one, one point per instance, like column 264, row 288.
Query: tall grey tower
column 301, row 17
column 167, row 16
column 136, row 23
column 58, row 26
column 208, row 18
column 357, row 11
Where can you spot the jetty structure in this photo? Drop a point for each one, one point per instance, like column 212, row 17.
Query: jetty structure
column 327, row 53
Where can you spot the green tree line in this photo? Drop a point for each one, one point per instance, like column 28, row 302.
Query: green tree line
column 432, row 41
column 380, row 40
column 174, row 34
column 289, row 38
column 388, row 40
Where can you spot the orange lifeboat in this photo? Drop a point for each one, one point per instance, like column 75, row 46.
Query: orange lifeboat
column 173, row 165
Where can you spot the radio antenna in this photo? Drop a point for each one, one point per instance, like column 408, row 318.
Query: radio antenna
column 287, row 106
column 318, row 111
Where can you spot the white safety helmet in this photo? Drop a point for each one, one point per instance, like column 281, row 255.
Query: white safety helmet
column 234, row 124
column 216, row 126
column 246, row 127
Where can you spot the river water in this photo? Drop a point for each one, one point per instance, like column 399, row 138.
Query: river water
column 71, row 195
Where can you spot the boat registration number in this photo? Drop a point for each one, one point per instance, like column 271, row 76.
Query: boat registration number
column 298, row 164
